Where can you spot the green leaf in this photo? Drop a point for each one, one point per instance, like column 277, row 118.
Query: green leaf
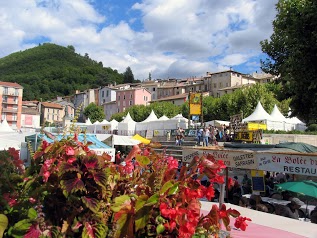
column 32, row 214
column 3, row 224
column 142, row 212
column 141, row 200
column 152, row 200
column 20, row 228
column 174, row 189
column 119, row 202
column 166, row 186
column 160, row 228
column 142, row 160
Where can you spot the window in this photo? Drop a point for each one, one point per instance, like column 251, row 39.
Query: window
column 5, row 90
column 48, row 110
column 102, row 93
column 4, row 115
column 130, row 102
column 104, row 100
column 227, row 84
column 153, row 89
column 215, row 85
column 119, row 97
column 15, row 99
column 5, row 99
column 16, row 92
column 220, row 85
column 123, row 97
column 131, row 95
column 118, row 110
column 107, row 93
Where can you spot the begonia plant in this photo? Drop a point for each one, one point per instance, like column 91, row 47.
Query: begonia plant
column 70, row 191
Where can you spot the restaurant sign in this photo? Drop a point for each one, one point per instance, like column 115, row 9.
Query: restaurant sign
column 232, row 159
column 286, row 163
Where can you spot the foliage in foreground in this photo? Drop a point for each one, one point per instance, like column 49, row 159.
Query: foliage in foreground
column 69, row 191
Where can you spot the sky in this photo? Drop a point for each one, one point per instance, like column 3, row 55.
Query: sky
column 164, row 38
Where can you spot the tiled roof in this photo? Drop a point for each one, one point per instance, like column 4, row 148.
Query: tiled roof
column 30, row 111
column 179, row 96
column 51, row 105
column 11, row 85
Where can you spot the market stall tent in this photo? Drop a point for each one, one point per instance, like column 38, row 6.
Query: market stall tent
column 127, row 126
column 4, row 127
column 141, row 139
column 146, row 124
column 279, row 117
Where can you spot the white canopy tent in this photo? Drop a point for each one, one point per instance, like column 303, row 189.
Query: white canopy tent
column 88, row 122
column 4, row 127
column 260, row 115
column 279, row 117
column 103, row 127
column 114, row 124
column 146, row 124
column 127, row 126
column 297, row 124
column 217, row 123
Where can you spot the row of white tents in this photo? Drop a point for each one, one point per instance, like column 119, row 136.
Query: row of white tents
column 130, row 127
column 276, row 120
column 158, row 126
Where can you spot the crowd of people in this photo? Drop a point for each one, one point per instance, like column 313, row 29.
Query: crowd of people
column 291, row 210
column 211, row 135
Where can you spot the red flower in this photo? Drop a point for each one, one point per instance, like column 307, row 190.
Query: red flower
column 45, row 144
column 187, row 230
column 69, row 150
column 210, row 192
column 172, row 163
column 10, row 199
column 240, row 222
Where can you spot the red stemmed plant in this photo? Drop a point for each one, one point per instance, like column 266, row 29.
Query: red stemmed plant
column 69, row 191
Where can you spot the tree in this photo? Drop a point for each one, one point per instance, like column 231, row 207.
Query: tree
column 94, row 113
column 292, row 55
column 128, row 76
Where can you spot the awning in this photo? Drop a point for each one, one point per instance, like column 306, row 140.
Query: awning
column 141, row 139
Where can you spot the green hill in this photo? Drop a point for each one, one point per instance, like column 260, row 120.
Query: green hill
column 50, row 70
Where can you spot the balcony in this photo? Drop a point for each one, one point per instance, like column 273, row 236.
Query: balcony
column 9, row 102
column 14, row 110
column 10, row 93
column 11, row 119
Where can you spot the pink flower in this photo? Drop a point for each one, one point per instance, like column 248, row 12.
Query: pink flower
column 46, row 175
column 32, row 200
column 71, row 160
column 69, row 151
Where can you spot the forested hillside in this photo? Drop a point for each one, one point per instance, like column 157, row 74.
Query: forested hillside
column 50, row 70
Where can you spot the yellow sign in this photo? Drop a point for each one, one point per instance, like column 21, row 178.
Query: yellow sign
column 256, row 126
column 244, row 135
column 195, row 103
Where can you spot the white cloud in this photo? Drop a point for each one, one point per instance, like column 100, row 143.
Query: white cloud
column 178, row 39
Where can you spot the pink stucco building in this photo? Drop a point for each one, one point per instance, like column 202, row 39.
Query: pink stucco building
column 132, row 96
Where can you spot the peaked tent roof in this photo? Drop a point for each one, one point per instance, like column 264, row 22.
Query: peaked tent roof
column 163, row 118
column 151, row 117
column 259, row 114
column 180, row 117
column 88, row 122
column 293, row 120
column 4, row 126
column 277, row 115
column 96, row 123
column 127, row 119
column 104, row 122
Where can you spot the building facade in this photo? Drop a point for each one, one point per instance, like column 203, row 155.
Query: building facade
column 30, row 117
column 11, row 103
column 52, row 113
column 132, row 96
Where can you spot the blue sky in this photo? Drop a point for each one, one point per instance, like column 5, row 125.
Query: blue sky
column 169, row 39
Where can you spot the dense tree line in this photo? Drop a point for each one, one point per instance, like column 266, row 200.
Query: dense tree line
column 243, row 100
column 50, row 70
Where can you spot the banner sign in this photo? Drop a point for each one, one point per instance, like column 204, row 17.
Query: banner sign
column 110, row 151
column 195, row 103
column 232, row 159
column 283, row 163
